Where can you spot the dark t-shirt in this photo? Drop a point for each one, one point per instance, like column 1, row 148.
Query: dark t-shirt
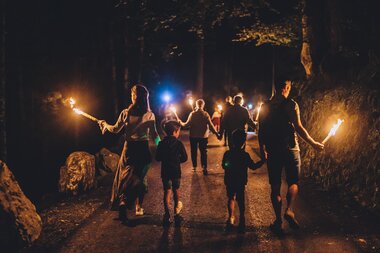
column 235, row 164
column 171, row 153
column 276, row 130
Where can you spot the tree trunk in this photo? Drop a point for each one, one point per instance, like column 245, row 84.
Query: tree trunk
column 306, row 57
column 200, row 66
column 3, row 132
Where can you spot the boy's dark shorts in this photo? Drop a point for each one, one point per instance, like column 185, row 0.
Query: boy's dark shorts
column 171, row 183
column 235, row 189
column 290, row 160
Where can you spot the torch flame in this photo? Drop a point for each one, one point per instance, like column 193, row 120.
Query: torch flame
column 191, row 101
column 220, row 107
column 78, row 111
column 258, row 111
column 173, row 109
column 335, row 127
column 72, row 102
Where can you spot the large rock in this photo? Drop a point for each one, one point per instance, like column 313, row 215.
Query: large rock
column 106, row 162
column 78, row 173
column 20, row 224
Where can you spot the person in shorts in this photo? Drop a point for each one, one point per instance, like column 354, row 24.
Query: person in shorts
column 171, row 153
column 236, row 162
column 279, row 124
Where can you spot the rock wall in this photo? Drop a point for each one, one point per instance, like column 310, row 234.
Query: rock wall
column 350, row 162
column 20, row 225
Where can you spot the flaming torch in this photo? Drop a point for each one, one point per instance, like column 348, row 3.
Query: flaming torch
column 191, row 102
column 333, row 130
column 174, row 110
column 220, row 107
column 258, row 111
column 80, row 112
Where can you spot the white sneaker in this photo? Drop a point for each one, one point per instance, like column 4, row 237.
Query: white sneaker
column 179, row 207
column 139, row 211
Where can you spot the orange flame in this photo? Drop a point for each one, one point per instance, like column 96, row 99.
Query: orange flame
column 78, row 111
column 220, row 107
column 72, row 102
column 191, row 101
column 335, row 127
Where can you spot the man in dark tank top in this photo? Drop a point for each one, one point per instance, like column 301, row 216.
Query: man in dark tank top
column 279, row 125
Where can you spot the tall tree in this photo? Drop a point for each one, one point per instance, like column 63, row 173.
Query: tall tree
column 3, row 132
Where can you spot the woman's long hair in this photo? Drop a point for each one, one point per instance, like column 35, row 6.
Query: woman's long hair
column 141, row 105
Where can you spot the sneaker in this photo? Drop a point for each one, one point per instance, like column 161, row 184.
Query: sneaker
column 289, row 217
column 229, row 224
column 139, row 211
column 276, row 228
column 166, row 220
column 179, row 207
column 178, row 220
column 123, row 213
column 241, row 227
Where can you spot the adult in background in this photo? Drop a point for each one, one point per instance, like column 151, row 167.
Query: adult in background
column 200, row 125
column 139, row 123
column 227, row 106
column 279, row 124
column 215, row 118
column 236, row 117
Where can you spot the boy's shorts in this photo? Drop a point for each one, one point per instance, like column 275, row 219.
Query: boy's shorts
column 171, row 183
column 234, row 189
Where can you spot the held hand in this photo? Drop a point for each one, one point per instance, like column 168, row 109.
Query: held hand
column 318, row 146
column 103, row 126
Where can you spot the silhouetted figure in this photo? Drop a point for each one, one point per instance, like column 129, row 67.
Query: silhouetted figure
column 236, row 117
column 278, row 123
column 226, row 107
column 139, row 123
column 200, row 125
column 235, row 164
column 171, row 153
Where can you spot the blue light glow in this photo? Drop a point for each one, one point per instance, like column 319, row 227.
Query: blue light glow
column 250, row 106
column 167, row 97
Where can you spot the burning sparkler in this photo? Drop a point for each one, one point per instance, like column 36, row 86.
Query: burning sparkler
column 80, row 112
column 333, row 130
column 258, row 111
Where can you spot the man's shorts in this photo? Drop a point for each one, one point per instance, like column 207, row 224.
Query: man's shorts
column 171, row 183
column 290, row 160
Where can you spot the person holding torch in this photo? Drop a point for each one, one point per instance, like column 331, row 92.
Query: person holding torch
column 138, row 122
column 279, row 124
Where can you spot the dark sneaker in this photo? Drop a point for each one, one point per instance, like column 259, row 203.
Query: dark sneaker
column 178, row 220
column 166, row 220
column 289, row 217
column 123, row 213
column 230, row 224
column 276, row 228
column 241, row 227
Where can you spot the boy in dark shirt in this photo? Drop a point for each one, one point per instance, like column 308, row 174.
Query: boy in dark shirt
column 171, row 153
column 235, row 164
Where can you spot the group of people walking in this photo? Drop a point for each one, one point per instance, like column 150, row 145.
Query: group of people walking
column 278, row 124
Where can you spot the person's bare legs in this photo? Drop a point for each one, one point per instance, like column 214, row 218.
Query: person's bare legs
column 167, row 201
column 291, row 196
column 289, row 213
column 231, row 208
column 176, row 196
column 241, row 203
column 276, row 201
